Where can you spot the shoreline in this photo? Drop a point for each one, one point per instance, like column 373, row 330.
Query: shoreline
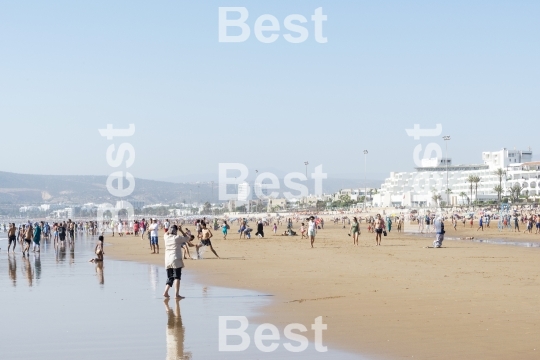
column 382, row 302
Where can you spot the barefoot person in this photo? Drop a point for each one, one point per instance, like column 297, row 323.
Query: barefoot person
column 99, row 250
column 28, row 238
column 355, row 231
column 312, row 229
column 439, row 232
column 36, row 238
column 174, row 258
column 154, row 229
column 224, row 229
column 12, row 238
column 379, row 227
column 206, row 235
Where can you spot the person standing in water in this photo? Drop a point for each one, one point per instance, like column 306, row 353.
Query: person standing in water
column 174, row 258
column 36, row 237
column 12, row 238
column 28, row 238
column 99, row 250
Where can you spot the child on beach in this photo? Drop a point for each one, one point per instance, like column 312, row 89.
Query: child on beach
column 224, row 229
column 303, row 231
column 99, row 250
column 274, row 229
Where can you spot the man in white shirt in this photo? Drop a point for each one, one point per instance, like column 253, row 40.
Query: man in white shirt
column 312, row 229
column 154, row 233
column 174, row 258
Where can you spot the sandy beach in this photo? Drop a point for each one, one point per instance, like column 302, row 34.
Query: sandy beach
column 466, row 300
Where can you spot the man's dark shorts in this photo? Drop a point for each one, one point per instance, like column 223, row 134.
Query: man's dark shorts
column 12, row 238
column 205, row 243
column 173, row 274
column 378, row 231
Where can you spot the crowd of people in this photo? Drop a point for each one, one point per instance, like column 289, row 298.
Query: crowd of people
column 178, row 238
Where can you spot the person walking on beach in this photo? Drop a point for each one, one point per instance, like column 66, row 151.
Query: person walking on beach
column 260, row 229
column 480, row 223
column 428, row 224
column 174, row 258
column 516, row 223
column 61, row 232
column 355, row 231
column 29, row 232
column 303, row 231
column 154, row 233
column 312, row 229
column 379, row 227
column 36, row 238
column 12, row 238
column 439, row 232
column 206, row 235
column 224, row 229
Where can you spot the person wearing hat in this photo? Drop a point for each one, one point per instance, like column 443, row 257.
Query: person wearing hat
column 174, row 258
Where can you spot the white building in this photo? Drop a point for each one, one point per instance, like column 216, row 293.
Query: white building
column 417, row 188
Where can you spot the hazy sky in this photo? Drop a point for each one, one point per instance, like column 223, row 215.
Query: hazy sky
column 68, row 68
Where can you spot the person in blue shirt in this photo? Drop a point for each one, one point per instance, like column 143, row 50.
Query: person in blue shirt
column 480, row 223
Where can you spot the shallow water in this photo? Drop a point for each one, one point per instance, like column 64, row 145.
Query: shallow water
column 57, row 305
column 486, row 241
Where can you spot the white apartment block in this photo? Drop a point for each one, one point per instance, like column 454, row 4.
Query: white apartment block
column 416, row 189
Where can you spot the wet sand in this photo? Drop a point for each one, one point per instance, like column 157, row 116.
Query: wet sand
column 60, row 306
column 400, row 300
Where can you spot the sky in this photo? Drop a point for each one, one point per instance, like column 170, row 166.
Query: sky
column 69, row 68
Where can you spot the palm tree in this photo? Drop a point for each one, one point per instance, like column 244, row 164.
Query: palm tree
column 476, row 181
column 515, row 192
column 462, row 195
column 526, row 195
column 436, row 197
column 498, row 189
column 500, row 173
column 471, row 180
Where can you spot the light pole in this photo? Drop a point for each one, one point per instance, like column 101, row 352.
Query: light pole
column 365, row 178
column 446, row 139
column 306, row 163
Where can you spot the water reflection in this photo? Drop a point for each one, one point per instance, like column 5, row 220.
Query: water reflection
column 60, row 249
column 99, row 272
column 154, row 276
column 72, row 253
column 27, row 270
column 37, row 265
column 12, row 270
column 175, row 333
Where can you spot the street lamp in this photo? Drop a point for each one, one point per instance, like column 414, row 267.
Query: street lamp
column 446, row 139
column 365, row 178
column 306, row 163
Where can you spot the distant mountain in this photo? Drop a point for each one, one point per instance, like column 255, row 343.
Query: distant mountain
column 79, row 189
